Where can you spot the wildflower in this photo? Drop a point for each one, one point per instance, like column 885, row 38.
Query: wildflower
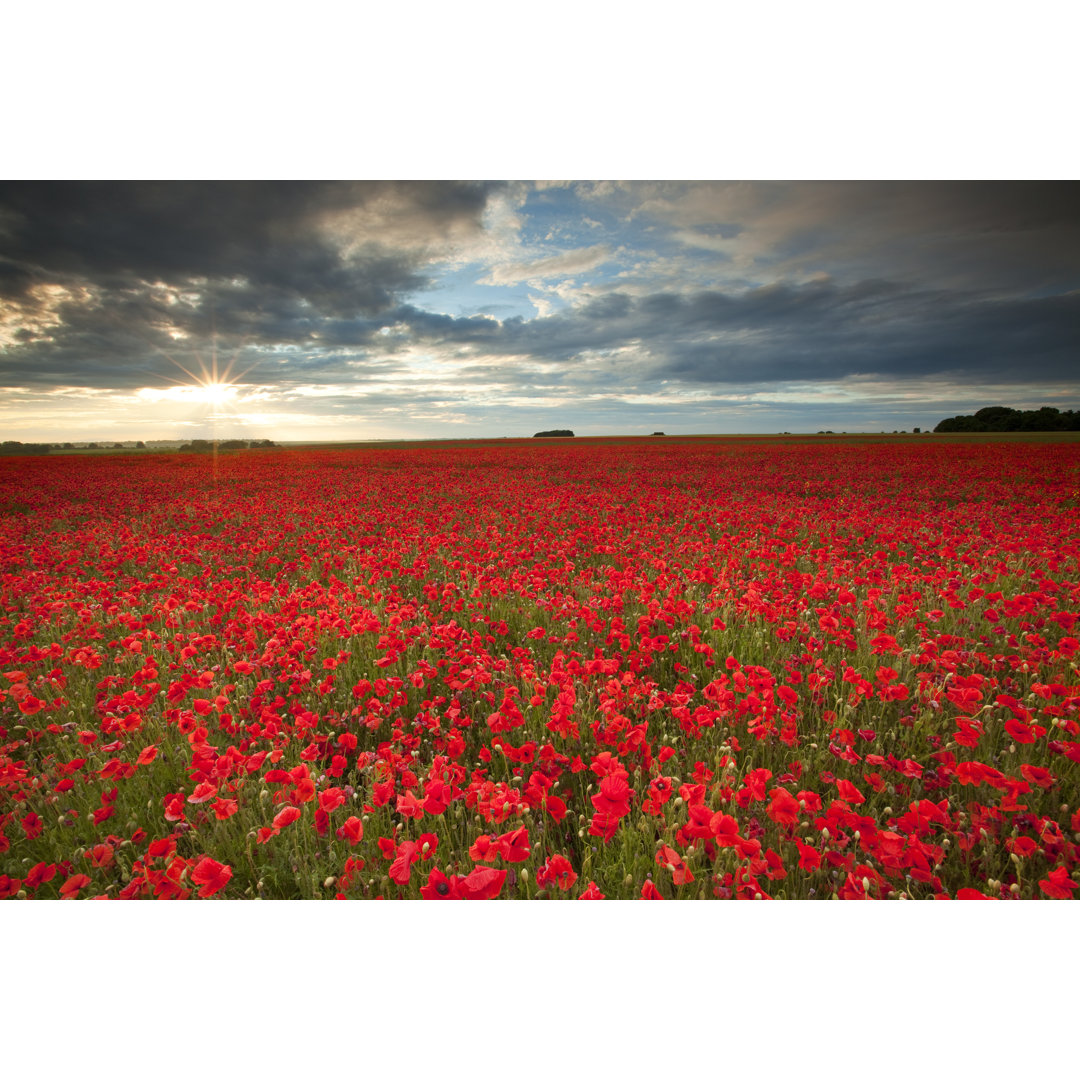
column 211, row 875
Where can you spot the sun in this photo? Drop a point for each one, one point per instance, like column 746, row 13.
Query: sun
column 209, row 392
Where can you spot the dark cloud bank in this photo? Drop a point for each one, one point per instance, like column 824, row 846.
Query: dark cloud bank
column 300, row 277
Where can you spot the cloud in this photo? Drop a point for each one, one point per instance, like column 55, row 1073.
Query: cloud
column 961, row 234
column 565, row 263
column 343, row 249
column 819, row 330
column 699, row 291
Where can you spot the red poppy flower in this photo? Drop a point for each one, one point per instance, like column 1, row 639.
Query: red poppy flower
column 408, row 851
column 650, row 892
column 73, row 886
column 809, row 858
column 408, row 805
column 440, row 887
column 669, row 858
column 483, row 883
column 755, row 782
column 352, row 830
column 211, row 875
column 203, row 792
column 1020, row 731
column 1037, row 775
column 100, row 855
column 591, row 892
column 286, row 817
column 614, row 796
column 849, row 792
column 514, row 846
column 39, row 874
column 725, row 828
column 557, row 870
column 1058, row 885
column 437, row 796
column 484, row 849
column 783, row 807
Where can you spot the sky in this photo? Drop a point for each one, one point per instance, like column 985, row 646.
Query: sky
column 337, row 310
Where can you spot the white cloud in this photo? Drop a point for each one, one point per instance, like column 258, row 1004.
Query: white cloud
column 575, row 261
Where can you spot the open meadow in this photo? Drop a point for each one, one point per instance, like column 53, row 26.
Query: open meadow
column 666, row 669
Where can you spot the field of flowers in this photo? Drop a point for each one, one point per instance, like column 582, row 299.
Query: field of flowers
column 660, row 669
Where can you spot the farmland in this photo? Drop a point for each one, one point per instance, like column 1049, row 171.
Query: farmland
column 669, row 669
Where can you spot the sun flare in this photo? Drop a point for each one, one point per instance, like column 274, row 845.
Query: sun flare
column 212, row 393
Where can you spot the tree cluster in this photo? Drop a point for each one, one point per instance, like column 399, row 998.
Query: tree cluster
column 1002, row 418
column 12, row 447
column 208, row 446
column 558, row 433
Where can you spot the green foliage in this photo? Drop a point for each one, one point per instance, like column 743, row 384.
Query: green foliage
column 9, row 447
column 1002, row 418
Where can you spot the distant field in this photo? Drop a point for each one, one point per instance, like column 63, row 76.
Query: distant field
column 853, row 437
column 397, row 444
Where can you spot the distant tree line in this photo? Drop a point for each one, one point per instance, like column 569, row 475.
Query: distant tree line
column 558, row 433
column 208, row 446
column 12, row 447
column 1002, row 418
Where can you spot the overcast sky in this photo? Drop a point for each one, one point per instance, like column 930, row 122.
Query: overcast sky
column 427, row 309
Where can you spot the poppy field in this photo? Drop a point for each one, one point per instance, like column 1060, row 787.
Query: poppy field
column 669, row 669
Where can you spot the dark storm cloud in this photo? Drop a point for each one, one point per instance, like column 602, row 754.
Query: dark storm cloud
column 265, row 234
column 123, row 285
column 958, row 234
column 818, row 331
column 88, row 268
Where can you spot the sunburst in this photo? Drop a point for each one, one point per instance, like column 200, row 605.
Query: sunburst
column 210, row 386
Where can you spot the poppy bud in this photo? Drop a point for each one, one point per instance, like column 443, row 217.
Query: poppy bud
column 1014, row 888
column 865, row 884
column 629, row 879
column 524, row 877
column 825, row 832
column 329, row 882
